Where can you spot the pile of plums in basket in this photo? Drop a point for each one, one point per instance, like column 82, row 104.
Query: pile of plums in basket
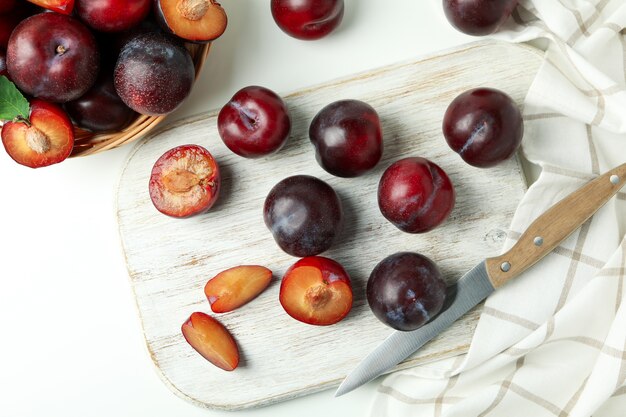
column 305, row 215
column 94, row 65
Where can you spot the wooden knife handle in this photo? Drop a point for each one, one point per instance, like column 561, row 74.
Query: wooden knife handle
column 556, row 224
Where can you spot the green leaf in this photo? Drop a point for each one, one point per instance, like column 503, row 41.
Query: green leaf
column 12, row 102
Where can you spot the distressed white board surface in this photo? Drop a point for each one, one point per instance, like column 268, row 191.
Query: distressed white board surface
column 170, row 260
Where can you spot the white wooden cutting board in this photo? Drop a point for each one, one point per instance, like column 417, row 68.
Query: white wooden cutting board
column 170, row 260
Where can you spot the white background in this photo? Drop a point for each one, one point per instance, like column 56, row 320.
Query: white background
column 70, row 339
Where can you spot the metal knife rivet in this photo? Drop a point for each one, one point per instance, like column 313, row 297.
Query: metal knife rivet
column 538, row 241
column 505, row 267
column 614, row 179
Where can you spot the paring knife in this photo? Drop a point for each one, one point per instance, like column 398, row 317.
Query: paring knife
column 541, row 237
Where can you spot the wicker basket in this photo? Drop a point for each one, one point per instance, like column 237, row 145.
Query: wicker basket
column 89, row 143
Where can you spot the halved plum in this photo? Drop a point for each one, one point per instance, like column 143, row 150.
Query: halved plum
column 185, row 181
column 48, row 137
column 316, row 290
column 198, row 21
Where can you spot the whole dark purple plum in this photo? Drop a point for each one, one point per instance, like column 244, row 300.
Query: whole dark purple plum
column 154, row 74
column 406, row 290
column 304, row 215
column 478, row 17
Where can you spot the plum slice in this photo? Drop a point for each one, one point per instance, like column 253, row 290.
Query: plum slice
column 234, row 287
column 211, row 340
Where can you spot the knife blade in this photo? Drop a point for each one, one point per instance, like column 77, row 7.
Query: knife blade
column 539, row 239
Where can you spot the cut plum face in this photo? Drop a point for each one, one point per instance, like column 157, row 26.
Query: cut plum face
column 59, row 6
column 198, row 21
column 211, row 340
column 185, row 181
column 234, row 287
column 316, row 290
column 47, row 140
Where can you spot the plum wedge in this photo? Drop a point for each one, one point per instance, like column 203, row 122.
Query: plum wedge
column 234, row 287
column 211, row 340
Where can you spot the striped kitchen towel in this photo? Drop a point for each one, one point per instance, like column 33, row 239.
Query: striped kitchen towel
column 553, row 341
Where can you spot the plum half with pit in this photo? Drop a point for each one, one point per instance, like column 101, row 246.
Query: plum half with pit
column 112, row 15
column 153, row 74
column 347, row 137
column 478, row 17
column 46, row 138
column 255, row 122
column 415, row 195
column 316, row 290
column 406, row 290
column 198, row 21
column 53, row 57
column 484, row 126
column 304, row 215
column 307, row 19
column 185, row 181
